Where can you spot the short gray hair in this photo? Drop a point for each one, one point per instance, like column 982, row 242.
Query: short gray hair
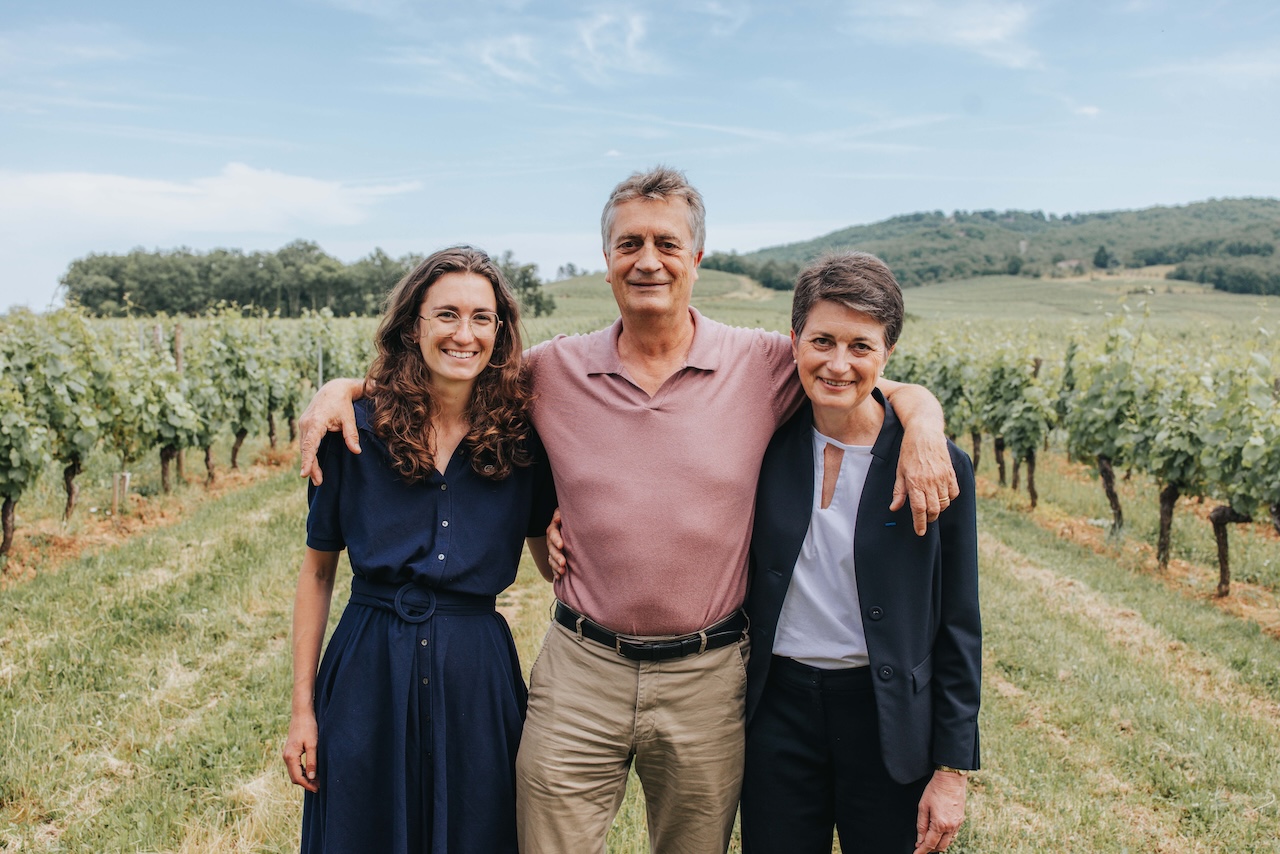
column 856, row 280
column 659, row 183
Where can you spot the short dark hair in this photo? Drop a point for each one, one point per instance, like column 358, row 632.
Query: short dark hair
column 857, row 280
column 658, row 184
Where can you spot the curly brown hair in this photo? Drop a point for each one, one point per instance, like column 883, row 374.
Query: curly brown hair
column 399, row 381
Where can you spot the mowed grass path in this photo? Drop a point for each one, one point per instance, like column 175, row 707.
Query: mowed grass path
column 144, row 697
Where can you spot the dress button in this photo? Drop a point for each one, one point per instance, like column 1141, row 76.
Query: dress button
column 439, row 557
column 424, row 641
column 424, row 680
column 444, row 524
column 886, row 672
column 444, row 486
column 876, row 612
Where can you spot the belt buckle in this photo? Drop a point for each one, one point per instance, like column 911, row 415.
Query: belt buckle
column 428, row 609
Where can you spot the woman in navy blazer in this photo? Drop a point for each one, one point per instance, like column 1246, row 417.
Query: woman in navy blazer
column 864, row 680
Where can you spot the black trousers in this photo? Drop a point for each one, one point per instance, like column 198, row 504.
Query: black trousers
column 813, row 765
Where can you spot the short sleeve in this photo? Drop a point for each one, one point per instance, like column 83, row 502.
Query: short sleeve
column 324, row 519
column 784, row 383
column 544, row 501
column 530, row 360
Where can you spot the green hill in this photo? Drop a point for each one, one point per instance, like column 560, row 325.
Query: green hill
column 1228, row 243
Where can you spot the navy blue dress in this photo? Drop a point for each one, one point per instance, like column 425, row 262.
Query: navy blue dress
column 419, row 697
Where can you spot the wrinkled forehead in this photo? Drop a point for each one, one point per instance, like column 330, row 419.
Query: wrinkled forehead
column 670, row 216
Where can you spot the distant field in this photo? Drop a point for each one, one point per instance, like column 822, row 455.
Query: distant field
column 1087, row 298
column 587, row 302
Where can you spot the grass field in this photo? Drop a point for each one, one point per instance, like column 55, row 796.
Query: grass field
column 144, row 683
column 1088, row 298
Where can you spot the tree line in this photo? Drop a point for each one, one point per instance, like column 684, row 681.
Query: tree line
column 771, row 272
column 299, row 277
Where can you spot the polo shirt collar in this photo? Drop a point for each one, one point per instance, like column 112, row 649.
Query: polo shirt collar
column 704, row 353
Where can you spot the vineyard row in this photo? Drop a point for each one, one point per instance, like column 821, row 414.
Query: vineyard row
column 1203, row 426
column 1206, row 427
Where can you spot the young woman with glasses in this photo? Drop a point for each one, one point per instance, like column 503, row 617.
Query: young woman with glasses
column 404, row 736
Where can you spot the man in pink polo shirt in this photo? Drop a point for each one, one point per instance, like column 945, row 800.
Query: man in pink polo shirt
column 655, row 428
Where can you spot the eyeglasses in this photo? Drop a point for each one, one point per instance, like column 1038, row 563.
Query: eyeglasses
column 484, row 324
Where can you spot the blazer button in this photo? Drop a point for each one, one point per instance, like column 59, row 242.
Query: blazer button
column 886, row 672
column 875, row 612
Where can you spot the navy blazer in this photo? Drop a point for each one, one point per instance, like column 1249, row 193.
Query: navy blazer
column 919, row 597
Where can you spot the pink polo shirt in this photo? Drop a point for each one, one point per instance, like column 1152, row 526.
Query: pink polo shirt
column 658, row 493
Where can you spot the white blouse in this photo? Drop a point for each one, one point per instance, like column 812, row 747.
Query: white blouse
column 821, row 620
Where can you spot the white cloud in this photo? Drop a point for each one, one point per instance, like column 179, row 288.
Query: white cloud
column 597, row 50
column 415, row 11
column 477, row 69
column 48, row 218
column 239, row 199
column 385, row 10
column 1088, row 110
column 39, row 104
column 994, row 29
column 608, row 43
column 508, row 48
column 169, row 137
column 726, row 17
column 66, row 44
column 650, row 126
column 511, row 58
column 1239, row 70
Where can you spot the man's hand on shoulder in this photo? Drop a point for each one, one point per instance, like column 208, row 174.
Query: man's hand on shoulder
column 926, row 477
column 331, row 409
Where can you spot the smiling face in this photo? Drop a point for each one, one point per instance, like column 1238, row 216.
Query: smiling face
column 457, row 356
column 651, row 259
column 840, row 353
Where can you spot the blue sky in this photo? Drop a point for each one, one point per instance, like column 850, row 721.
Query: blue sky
column 505, row 123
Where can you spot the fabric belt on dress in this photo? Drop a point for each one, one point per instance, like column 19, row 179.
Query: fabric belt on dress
column 414, row 603
column 729, row 630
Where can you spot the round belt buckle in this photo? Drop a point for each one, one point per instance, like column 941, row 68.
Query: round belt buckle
column 428, row 606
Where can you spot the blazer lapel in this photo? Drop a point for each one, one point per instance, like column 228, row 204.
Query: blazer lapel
column 794, row 475
column 884, row 459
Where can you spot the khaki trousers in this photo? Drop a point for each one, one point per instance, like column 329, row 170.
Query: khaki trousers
column 592, row 712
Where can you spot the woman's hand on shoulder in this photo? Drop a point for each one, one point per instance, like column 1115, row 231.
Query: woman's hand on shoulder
column 300, row 750
column 556, row 552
